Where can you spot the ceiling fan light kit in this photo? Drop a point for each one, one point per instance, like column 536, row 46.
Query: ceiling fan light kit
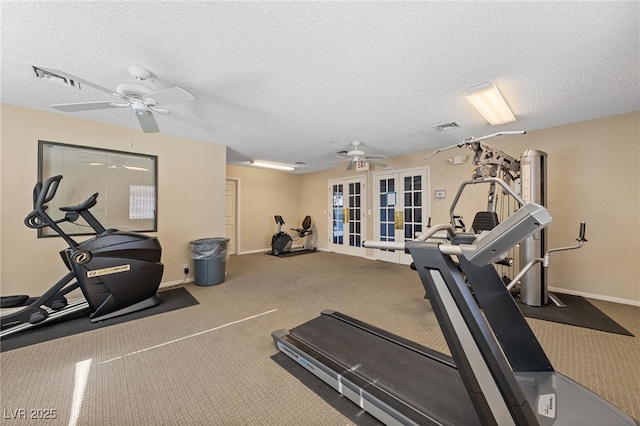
column 486, row 98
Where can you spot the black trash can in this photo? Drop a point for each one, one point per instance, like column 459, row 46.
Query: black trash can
column 209, row 260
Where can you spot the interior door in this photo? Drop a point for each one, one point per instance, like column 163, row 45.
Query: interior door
column 401, row 210
column 347, row 221
column 231, row 230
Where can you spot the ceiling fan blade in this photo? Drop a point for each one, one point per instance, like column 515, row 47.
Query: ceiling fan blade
column 376, row 156
column 334, row 162
column 148, row 123
column 351, row 165
column 377, row 163
column 77, row 79
column 169, row 96
column 191, row 120
column 86, row 106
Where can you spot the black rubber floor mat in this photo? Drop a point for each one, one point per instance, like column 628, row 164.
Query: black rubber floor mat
column 295, row 253
column 579, row 312
column 74, row 324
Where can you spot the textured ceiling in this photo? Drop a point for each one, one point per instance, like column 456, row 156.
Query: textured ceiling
column 297, row 81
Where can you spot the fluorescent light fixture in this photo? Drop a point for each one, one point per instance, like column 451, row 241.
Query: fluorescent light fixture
column 258, row 163
column 486, row 98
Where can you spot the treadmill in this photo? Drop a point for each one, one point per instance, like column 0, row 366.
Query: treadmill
column 498, row 373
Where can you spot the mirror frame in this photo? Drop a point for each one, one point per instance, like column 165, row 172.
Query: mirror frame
column 108, row 189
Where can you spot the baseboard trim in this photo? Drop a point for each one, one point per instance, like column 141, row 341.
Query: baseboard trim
column 177, row 282
column 596, row 296
column 254, row 251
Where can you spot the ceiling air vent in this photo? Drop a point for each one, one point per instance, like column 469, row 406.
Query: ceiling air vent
column 448, row 126
column 48, row 75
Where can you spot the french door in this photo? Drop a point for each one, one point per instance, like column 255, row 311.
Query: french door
column 401, row 210
column 347, row 222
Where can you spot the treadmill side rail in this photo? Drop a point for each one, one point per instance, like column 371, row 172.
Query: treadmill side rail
column 339, row 379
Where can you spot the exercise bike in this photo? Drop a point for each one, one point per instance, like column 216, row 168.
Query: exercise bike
column 281, row 241
column 118, row 272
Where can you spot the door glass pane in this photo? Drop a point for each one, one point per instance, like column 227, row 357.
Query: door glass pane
column 407, row 199
column 417, row 183
column 407, row 183
column 407, row 232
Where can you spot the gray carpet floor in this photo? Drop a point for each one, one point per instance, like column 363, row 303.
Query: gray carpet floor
column 211, row 364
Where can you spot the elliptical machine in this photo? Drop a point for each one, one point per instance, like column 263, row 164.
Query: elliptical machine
column 118, row 272
column 281, row 241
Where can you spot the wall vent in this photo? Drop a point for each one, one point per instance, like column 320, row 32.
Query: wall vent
column 448, row 126
column 48, row 75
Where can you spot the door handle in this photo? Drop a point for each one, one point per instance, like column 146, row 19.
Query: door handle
column 398, row 220
column 345, row 215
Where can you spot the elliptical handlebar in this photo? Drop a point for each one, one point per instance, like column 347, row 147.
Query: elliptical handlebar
column 48, row 190
column 42, row 194
column 38, row 218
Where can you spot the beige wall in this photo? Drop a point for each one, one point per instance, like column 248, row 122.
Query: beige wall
column 593, row 176
column 261, row 195
column 190, row 199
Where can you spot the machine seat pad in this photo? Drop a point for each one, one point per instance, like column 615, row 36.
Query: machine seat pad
column 484, row 221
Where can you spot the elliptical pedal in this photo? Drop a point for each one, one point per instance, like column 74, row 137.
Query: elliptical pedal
column 49, row 315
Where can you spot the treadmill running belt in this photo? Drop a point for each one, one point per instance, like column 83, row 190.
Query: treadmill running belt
column 421, row 378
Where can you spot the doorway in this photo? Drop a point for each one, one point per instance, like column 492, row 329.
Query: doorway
column 401, row 206
column 231, row 215
column 347, row 224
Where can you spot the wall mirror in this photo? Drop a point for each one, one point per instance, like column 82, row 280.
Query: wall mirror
column 127, row 184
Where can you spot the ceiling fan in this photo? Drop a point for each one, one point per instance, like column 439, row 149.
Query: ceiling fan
column 143, row 100
column 356, row 154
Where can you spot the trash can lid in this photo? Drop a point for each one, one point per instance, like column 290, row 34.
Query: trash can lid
column 210, row 240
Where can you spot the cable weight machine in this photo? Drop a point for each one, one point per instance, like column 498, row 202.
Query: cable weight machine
column 524, row 179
